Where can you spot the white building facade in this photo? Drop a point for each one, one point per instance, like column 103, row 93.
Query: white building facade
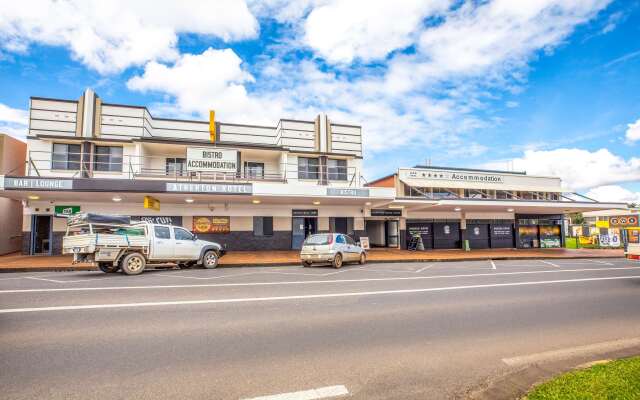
column 253, row 187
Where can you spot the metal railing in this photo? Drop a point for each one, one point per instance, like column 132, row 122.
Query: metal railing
column 171, row 167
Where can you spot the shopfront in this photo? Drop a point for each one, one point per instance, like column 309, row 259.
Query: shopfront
column 303, row 224
column 382, row 226
column 539, row 231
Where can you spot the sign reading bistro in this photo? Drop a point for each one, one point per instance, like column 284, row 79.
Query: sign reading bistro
column 211, row 159
column 211, row 225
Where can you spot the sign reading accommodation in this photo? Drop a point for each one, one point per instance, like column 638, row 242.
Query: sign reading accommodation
column 208, row 159
column 453, row 176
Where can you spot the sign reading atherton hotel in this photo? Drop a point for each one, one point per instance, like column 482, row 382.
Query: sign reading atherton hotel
column 206, row 159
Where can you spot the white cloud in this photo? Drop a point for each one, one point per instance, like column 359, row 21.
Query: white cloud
column 214, row 79
column 110, row 36
column 344, row 30
column 614, row 193
column 14, row 121
column 512, row 104
column 579, row 169
column 633, row 131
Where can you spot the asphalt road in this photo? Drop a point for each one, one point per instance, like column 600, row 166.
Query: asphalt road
column 379, row 331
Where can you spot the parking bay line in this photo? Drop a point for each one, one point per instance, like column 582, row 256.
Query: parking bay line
column 303, row 297
column 211, row 285
column 311, row 394
column 549, row 263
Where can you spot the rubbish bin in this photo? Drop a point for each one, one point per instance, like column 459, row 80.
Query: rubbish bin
column 466, row 245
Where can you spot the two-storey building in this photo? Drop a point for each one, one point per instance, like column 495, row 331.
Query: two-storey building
column 245, row 186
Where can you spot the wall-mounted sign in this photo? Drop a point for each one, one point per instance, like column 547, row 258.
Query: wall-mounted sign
column 209, row 159
column 211, row 225
column 159, row 219
column 151, row 203
column 602, row 224
column 347, row 192
column 304, row 213
column 385, row 212
column 217, row 188
column 498, row 231
column 64, row 211
column 452, row 176
column 364, row 242
column 37, row 183
column 626, row 220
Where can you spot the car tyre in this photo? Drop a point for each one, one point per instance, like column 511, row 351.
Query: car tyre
column 133, row 264
column 210, row 259
column 337, row 261
column 108, row 268
column 363, row 258
column 306, row 264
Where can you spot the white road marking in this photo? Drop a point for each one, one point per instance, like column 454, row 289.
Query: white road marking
column 493, row 265
column 424, row 268
column 302, row 297
column 601, row 262
column 67, row 281
column 571, row 352
column 210, row 285
column 311, row 394
column 550, row 263
column 258, row 273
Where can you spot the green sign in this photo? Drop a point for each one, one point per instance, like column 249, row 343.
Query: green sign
column 67, row 210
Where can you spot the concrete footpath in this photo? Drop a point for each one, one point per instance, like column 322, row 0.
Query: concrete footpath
column 22, row 263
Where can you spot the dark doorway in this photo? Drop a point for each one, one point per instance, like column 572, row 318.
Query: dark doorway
column 391, row 232
column 301, row 228
column 446, row 235
column 41, row 234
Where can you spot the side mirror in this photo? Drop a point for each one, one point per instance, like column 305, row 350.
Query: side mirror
column 195, row 237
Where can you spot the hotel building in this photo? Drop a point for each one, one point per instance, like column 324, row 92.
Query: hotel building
column 252, row 187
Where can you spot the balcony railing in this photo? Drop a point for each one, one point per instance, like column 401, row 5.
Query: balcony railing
column 87, row 165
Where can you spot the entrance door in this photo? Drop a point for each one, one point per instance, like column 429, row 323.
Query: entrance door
column 391, row 231
column 301, row 228
column 478, row 236
column 41, row 234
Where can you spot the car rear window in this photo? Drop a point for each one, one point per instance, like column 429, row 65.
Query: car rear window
column 318, row 239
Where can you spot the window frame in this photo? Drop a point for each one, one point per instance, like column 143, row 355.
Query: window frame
column 111, row 166
column 308, row 170
column 337, row 172
column 156, row 228
column 249, row 171
column 178, row 229
column 68, row 164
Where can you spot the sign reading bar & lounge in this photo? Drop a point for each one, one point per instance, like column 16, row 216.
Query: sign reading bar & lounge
column 217, row 188
column 37, row 183
column 204, row 159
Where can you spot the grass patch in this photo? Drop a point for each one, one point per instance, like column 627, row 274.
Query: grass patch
column 619, row 380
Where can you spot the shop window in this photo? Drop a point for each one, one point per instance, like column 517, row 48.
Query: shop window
column 337, row 170
column 308, row 168
column 254, row 170
column 108, row 158
column 263, row 226
column 176, row 166
column 65, row 156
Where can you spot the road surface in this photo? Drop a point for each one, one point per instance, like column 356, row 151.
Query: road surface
column 379, row 331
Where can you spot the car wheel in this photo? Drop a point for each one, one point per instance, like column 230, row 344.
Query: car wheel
column 210, row 259
column 133, row 264
column 337, row 261
column 306, row 264
column 363, row 258
column 108, row 268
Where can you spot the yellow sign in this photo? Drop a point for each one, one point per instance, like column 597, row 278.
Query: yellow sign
column 211, row 225
column 602, row 224
column 212, row 126
column 152, row 203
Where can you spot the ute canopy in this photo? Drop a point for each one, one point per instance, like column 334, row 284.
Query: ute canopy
column 91, row 218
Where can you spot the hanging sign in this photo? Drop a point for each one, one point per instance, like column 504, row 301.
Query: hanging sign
column 64, row 211
column 210, row 159
column 151, row 203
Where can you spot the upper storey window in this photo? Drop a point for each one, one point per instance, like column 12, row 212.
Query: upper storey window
column 66, row 156
column 308, row 168
column 108, row 158
column 337, row 170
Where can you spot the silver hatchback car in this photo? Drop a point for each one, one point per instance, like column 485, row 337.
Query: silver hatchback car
column 331, row 248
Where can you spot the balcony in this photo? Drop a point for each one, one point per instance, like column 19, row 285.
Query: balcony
column 173, row 168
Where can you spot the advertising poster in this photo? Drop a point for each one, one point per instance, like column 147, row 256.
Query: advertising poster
column 211, row 224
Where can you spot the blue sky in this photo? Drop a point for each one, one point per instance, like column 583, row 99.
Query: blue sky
column 547, row 86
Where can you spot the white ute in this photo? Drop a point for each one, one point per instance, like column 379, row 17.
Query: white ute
column 115, row 243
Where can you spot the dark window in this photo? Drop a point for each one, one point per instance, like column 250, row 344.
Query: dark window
column 181, row 234
column 162, row 232
column 65, row 156
column 263, row 226
column 176, row 166
column 254, row 170
column 308, row 168
column 107, row 158
column 337, row 170
column 350, row 240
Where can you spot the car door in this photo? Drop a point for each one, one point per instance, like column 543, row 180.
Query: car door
column 352, row 248
column 162, row 245
column 186, row 246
